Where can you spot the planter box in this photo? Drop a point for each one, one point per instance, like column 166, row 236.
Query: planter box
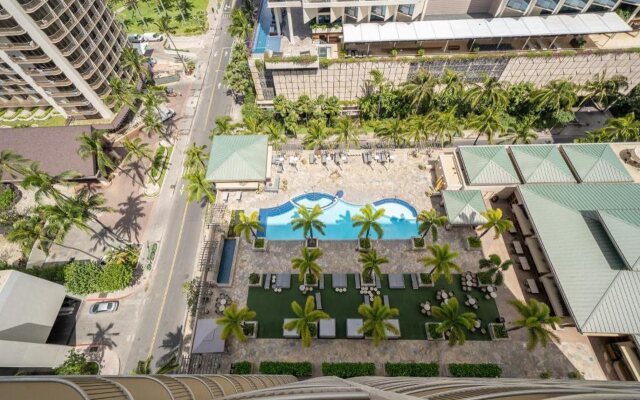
column 422, row 284
column 367, row 284
column 492, row 326
column 414, row 247
column 255, row 329
column 429, row 337
column 255, row 248
column 468, row 246
column 259, row 284
column 365, row 249
column 311, row 284
column 326, row 29
column 312, row 243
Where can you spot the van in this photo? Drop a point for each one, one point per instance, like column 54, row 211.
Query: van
column 152, row 37
column 134, row 38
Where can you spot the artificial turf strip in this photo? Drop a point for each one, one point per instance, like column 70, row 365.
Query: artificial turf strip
column 272, row 308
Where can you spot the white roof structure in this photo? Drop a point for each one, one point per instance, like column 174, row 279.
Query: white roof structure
column 479, row 28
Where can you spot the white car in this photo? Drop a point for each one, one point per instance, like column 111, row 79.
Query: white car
column 104, row 307
column 165, row 113
column 152, row 37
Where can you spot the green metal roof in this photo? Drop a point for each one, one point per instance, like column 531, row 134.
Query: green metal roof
column 488, row 165
column 238, row 158
column 602, row 293
column 464, row 207
column 623, row 227
column 596, row 162
column 541, row 164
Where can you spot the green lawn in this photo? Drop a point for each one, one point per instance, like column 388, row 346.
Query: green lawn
column 191, row 26
column 272, row 308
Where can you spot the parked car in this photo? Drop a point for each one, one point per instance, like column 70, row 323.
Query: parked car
column 104, row 307
column 134, row 38
column 165, row 113
column 152, row 37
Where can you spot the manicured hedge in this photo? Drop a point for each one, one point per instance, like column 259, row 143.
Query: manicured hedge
column 412, row 369
column 241, row 368
column 475, row 370
column 348, row 370
column 286, row 368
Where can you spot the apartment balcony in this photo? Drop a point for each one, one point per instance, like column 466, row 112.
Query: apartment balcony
column 43, row 72
column 14, row 30
column 548, row 5
column 52, row 15
column 4, row 14
column 33, row 5
column 23, row 103
column 74, row 103
column 63, row 94
column 22, row 59
column 53, row 84
column 8, row 46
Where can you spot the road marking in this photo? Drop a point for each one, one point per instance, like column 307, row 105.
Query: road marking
column 166, row 290
column 209, row 108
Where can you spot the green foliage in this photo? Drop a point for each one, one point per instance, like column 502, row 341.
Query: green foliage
column 474, row 242
column 237, row 74
column 53, row 274
column 412, row 369
column 7, row 197
column 241, row 368
column 82, row 277
column 254, row 278
column 115, row 277
column 297, row 369
column 348, row 370
column 303, row 59
column 475, row 370
column 77, row 364
column 191, row 291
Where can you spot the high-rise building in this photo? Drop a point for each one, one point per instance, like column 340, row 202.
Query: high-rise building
column 210, row 387
column 60, row 54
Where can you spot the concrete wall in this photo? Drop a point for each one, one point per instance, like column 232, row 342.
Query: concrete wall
column 348, row 81
column 448, row 7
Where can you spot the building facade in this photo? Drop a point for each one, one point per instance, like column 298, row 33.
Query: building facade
column 60, row 54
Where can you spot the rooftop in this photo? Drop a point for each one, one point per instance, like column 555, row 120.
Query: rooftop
column 596, row 162
column 238, row 158
column 488, row 165
column 541, row 164
column 464, row 207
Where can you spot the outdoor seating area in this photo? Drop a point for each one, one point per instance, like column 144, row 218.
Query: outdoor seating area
column 274, row 307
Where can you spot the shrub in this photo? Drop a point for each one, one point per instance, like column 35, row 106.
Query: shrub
column 365, row 243
column 254, row 278
column 425, row 278
column 575, row 375
column 297, row 369
column 115, row 277
column 82, row 277
column 348, row 370
column 475, row 370
column 500, row 331
column 77, row 364
column 7, row 196
column 241, row 368
column 418, row 242
column 258, row 243
column 474, row 242
column 412, row 369
column 546, row 374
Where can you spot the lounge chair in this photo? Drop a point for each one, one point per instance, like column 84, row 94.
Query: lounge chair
column 225, row 197
column 321, row 282
column 238, row 196
column 289, row 334
column 366, row 300
column 280, row 168
column 312, row 158
column 318, row 301
column 385, row 300
column 378, row 283
column 353, row 327
column 327, row 328
column 414, row 281
column 357, row 278
column 267, row 281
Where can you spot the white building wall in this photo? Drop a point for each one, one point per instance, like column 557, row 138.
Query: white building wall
column 455, row 7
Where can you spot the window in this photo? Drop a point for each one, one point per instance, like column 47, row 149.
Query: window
column 406, row 9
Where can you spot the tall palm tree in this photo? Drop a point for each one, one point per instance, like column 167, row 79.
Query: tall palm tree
column 195, row 157
column 346, row 132
column 495, row 221
column 420, row 90
column 198, row 188
column 621, row 129
column 430, row 221
column 305, row 106
column 453, row 321
column 391, row 131
column 45, row 184
column 240, row 26
column 307, row 318
column 152, row 100
column 93, row 145
column 316, row 135
column 493, row 268
column 367, row 220
column 89, row 204
column 32, row 229
column 371, row 263
column 308, row 220
column 522, row 131
column 143, row 367
column 165, row 27
column 557, row 95
column 377, row 83
column 601, row 90
column 122, row 92
column 445, row 125
column 275, row 132
column 248, row 225
column 152, row 125
column 489, row 123
column 233, row 322
column 376, row 320
column 135, row 62
column 307, row 263
column 223, row 126
column 441, row 261
column 491, row 94
column 251, row 126
column 537, row 320
column 137, row 149
column 418, row 130
column 11, row 163
column 453, row 85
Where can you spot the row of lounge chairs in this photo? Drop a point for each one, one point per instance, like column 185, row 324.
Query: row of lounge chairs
column 327, row 329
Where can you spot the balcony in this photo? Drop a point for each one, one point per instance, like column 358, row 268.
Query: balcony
column 578, row 5
column 14, row 30
column 548, row 5
column 8, row 46
column 33, row 5
column 518, row 5
column 605, row 3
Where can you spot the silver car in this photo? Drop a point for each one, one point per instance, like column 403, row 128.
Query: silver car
column 104, row 307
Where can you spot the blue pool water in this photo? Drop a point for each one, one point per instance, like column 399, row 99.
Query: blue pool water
column 262, row 40
column 226, row 263
column 399, row 221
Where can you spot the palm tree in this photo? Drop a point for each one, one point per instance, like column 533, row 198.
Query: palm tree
column 430, row 221
column 377, row 82
column 622, row 129
column 317, row 133
column 490, row 94
column 152, row 124
column 453, row 85
column 11, row 163
column 165, row 27
column 92, row 145
column 441, row 261
column 306, row 323
column 391, row 130
column 557, row 95
column 135, row 62
column 453, row 321
column 233, row 322
column 495, row 221
column 198, row 188
column 536, row 319
column 493, row 268
column 307, row 264
column 143, row 367
column 445, row 124
column 420, row 90
column 305, row 106
column 132, row 5
column 346, row 132
column 196, row 157
column 601, row 90
column 376, row 320
column 122, row 92
column 152, row 100
column 31, row 229
column 45, row 184
column 275, row 132
column 418, row 130
column 367, row 220
column 136, row 148
column 489, row 123
column 248, row 225
column 522, row 132
column 223, row 126
column 240, row 26
column 371, row 264
column 308, row 220
column 252, row 126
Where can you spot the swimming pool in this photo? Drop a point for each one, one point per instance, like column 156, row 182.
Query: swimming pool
column 399, row 221
column 226, row 262
column 262, row 41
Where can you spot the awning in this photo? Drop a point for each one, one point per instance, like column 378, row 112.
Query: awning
column 480, row 28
